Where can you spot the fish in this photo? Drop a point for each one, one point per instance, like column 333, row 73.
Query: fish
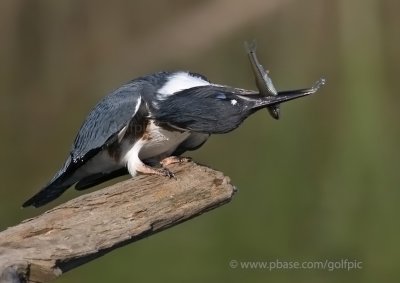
column 262, row 78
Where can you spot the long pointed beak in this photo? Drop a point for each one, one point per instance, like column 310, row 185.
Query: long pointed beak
column 284, row 96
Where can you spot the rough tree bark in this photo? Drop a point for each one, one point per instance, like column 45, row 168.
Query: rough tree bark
column 42, row 248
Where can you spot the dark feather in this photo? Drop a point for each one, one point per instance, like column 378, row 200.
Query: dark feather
column 99, row 130
column 99, row 178
column 194, row 141
column 204, row 109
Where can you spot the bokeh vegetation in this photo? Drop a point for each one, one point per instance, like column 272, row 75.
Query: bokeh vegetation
column 321, row 183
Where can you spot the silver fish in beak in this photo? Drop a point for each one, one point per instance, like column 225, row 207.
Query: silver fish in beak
column 263, row 81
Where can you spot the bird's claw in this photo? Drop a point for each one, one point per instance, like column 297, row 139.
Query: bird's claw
column 167, row 173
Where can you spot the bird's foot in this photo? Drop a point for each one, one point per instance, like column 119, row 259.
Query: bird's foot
column 167, row 173
column 145, row 169
column 174, row 159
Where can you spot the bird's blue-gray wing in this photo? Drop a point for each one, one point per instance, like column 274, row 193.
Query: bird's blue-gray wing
column 100, row 128
column 105, row 121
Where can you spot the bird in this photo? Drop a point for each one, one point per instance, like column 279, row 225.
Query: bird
column 149, row 122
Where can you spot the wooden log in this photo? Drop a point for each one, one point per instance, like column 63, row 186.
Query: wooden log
column 42, row 248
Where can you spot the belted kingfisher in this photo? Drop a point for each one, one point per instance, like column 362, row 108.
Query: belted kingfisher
column 151, row 121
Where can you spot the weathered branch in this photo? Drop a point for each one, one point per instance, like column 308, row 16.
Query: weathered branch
column 42, row 248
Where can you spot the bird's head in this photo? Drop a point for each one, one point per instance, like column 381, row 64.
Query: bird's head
column 189, row 101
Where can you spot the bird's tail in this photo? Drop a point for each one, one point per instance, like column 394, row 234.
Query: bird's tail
column 56, row 187
column 47, row 194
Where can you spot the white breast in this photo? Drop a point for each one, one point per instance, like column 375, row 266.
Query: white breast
column 158, row 141
column 156, row 144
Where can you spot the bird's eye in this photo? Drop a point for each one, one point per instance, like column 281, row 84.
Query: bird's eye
column 220, row 96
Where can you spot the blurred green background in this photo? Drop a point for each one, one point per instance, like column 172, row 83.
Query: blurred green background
column 321, row 183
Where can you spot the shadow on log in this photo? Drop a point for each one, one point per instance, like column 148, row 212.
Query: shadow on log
column 42, row 248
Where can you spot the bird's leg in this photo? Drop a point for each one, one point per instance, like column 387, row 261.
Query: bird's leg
column 146, row 169
column 174, row 159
